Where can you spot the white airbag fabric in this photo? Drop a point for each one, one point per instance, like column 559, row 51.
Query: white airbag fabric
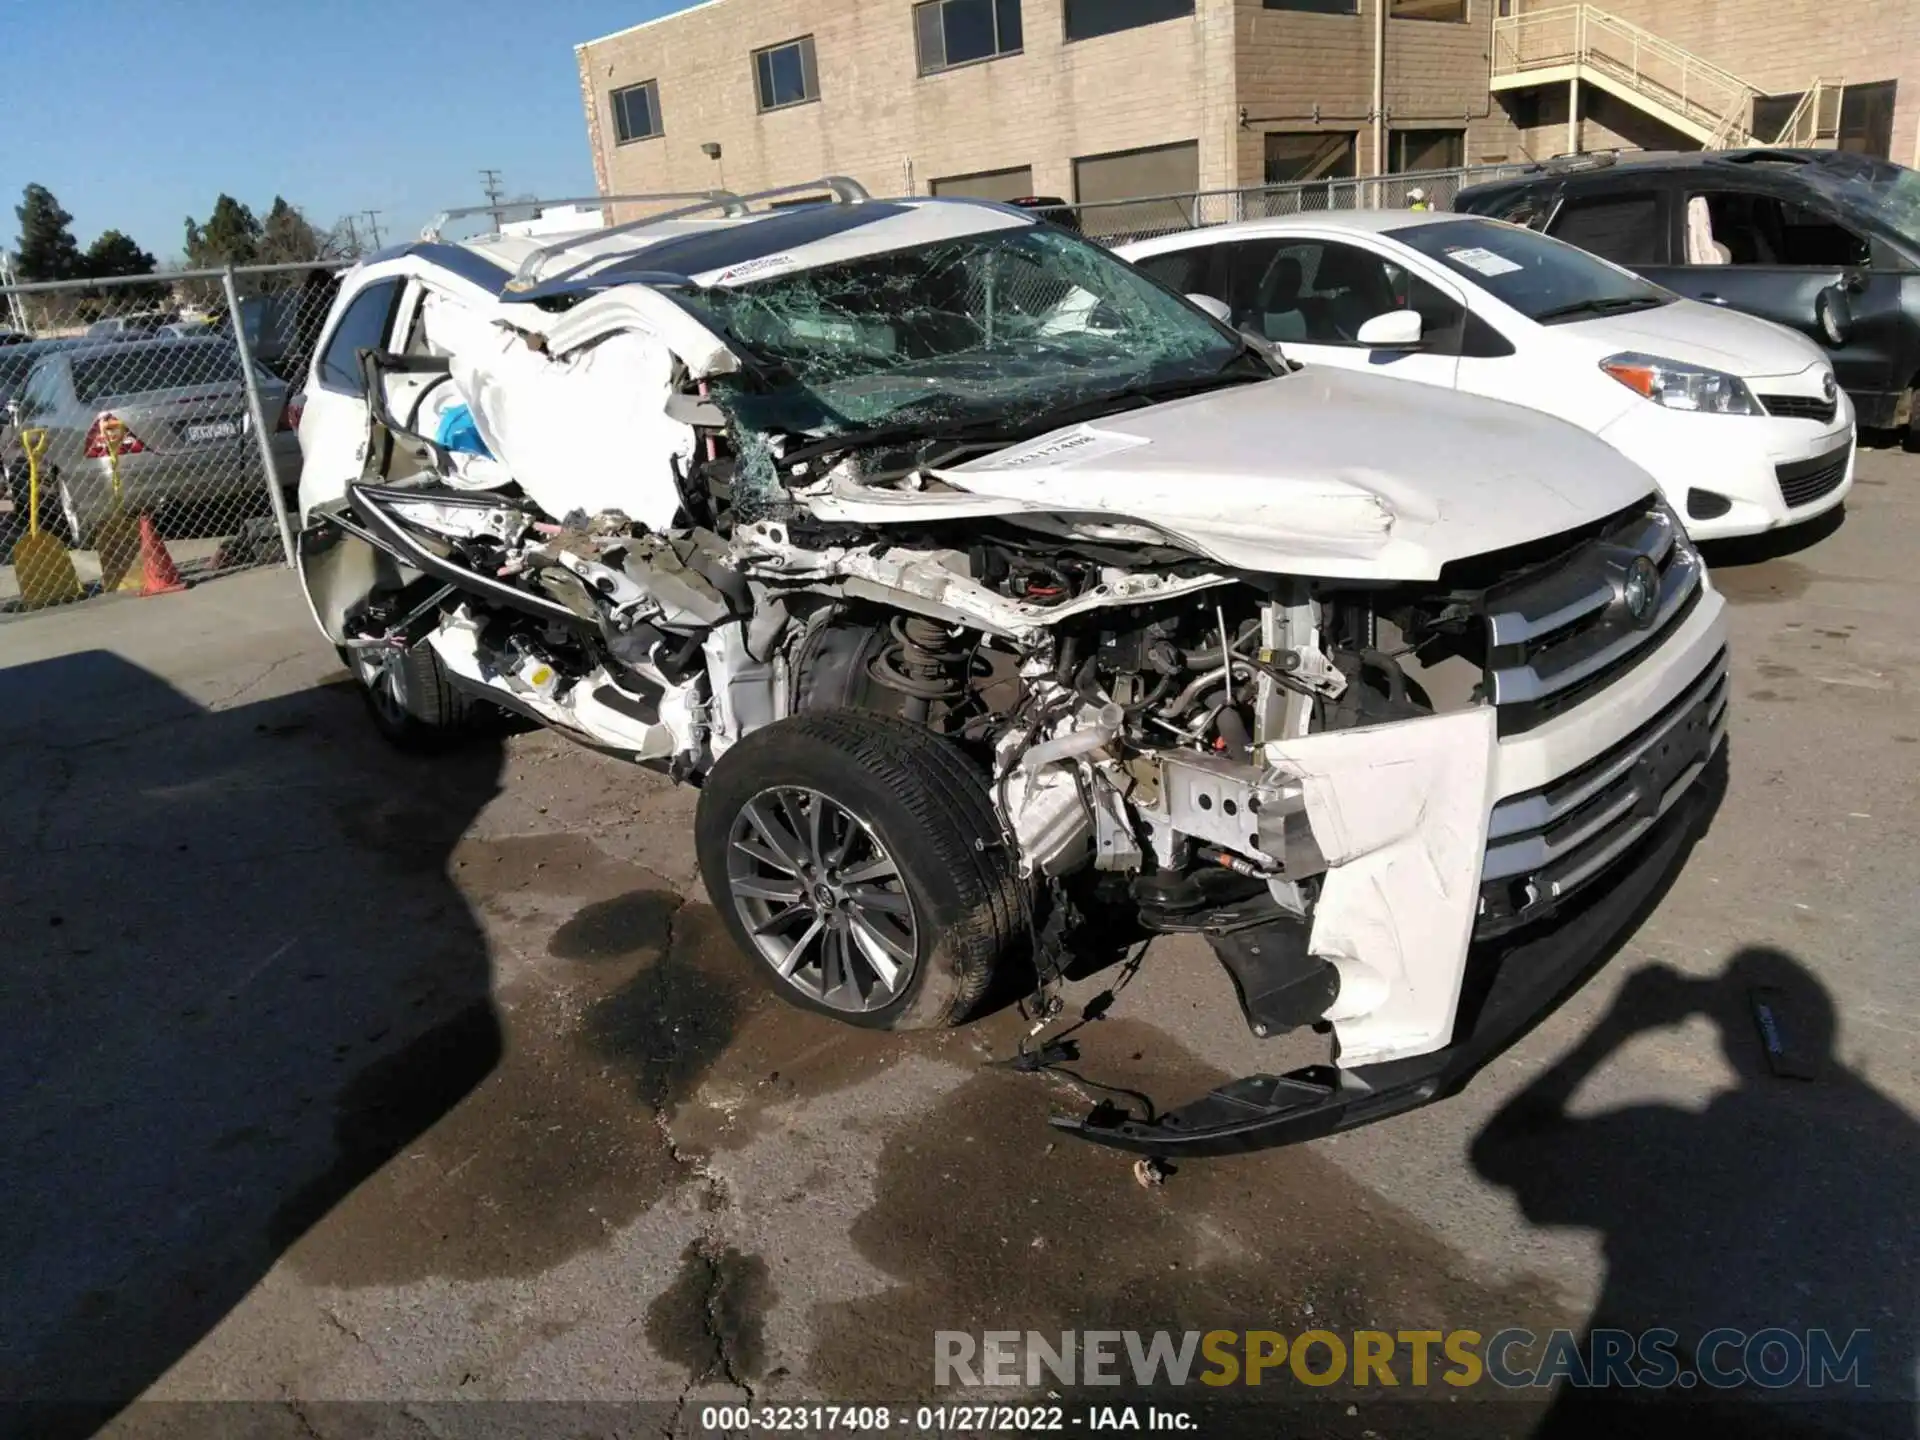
column 1400, row 813
column 587, row 431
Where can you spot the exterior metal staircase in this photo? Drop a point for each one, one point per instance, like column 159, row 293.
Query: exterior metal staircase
column 1709, row 105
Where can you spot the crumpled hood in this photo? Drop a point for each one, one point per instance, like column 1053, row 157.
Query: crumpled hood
column 1320, row 473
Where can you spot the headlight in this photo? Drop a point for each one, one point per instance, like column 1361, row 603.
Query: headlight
column 1682, row 387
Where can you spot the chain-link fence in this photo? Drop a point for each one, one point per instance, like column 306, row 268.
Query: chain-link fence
column 148, row 427
column 1118, row 222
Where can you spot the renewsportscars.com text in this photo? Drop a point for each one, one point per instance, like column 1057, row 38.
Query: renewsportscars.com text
column 1514, row 1358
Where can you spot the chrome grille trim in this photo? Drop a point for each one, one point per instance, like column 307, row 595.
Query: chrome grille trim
column 1543, row 604
column 1554, row 667
column 1521, row 832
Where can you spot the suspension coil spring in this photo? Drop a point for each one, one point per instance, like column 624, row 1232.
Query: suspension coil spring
column 926, row 661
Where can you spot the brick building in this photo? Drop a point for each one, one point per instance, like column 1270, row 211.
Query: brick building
column 1108, row 99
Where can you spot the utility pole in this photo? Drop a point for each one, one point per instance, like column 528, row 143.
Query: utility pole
column 373, row 224
column 493, row 194
column 353, row 237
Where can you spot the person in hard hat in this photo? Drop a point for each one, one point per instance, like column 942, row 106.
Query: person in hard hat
column 1417, row 198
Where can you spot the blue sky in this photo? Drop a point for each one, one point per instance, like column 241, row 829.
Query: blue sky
column 138, row 113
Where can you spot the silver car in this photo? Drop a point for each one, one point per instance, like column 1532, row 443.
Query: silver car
column 186, row 443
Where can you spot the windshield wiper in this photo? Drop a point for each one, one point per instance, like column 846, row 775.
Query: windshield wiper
column 1008, row 431
column 1610, row 305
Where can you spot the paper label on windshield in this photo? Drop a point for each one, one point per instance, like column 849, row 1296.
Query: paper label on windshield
column 1069, row 447
column 1483, row 261
column 763, row 268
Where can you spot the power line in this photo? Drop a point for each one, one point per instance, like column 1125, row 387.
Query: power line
column 493, row 193
column 373, row 224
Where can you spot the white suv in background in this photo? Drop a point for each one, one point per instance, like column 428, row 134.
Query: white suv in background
column 1738, row 419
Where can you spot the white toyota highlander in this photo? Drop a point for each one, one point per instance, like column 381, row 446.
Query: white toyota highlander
column 983, row 585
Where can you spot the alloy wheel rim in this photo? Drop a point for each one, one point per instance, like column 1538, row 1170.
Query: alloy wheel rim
column 823, row 899
column 386, row 681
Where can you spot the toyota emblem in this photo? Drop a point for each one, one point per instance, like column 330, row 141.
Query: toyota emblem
column 1641, row 592
column 1827, row 387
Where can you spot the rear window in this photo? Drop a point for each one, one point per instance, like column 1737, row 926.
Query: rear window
column 153, row 367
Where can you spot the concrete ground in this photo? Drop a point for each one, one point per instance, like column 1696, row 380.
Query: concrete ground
column 334, row 1074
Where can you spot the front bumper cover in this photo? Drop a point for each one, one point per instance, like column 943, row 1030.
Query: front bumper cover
column 1511, row 984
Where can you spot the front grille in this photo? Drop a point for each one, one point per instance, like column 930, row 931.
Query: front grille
column 1564, row 631
column 1545, row 844
column 1805, row 481
column 1800, row 407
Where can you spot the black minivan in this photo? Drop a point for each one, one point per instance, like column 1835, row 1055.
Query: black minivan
column 1824, row 241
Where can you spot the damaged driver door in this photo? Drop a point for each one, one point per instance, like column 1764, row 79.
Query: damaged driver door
column 335, row 426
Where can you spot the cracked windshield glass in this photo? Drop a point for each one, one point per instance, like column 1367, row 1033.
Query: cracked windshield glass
column 1003, row 330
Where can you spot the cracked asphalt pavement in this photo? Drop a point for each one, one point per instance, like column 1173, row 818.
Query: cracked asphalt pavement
column 335, row 1075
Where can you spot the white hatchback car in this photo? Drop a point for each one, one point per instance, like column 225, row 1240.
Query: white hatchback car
column 1738, row 419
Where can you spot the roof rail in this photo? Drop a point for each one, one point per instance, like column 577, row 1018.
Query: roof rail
column 437, row 226
column 842, row 190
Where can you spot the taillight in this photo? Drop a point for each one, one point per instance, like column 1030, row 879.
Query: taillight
column 291, row 412
column 97, row 438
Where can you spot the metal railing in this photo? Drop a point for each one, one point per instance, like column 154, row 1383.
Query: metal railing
column 1814, row 119
column 1120, row 222
column 1712, row 104
column 148, row 426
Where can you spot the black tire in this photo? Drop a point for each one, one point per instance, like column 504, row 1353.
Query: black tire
column 414, row 705
column 926, row 809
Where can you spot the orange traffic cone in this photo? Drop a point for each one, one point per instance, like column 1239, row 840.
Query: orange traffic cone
column 157, row 575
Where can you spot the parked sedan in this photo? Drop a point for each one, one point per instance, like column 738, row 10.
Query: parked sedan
column 1739, row 420
column 186, row 443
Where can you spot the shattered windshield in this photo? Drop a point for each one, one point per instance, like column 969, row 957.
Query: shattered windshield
column 1005, row 326
column 1878, row 191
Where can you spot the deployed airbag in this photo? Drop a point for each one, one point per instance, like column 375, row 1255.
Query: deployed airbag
column 587, row 431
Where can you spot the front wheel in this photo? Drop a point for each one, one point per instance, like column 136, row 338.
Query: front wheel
column 409, row 695
column 857, row 861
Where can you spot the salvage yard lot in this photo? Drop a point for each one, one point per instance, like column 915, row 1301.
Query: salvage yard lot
column 334, row 1073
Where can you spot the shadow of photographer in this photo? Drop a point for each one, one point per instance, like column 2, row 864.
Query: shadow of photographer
column 1784, row 1202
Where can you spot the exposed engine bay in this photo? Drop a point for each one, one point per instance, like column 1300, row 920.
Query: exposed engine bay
column 1217, row 708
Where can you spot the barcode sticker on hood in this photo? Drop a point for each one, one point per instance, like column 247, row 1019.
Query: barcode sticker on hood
column 1064, row 447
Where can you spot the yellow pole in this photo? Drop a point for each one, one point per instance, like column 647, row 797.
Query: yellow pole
column 41, row 564
column 34, row 442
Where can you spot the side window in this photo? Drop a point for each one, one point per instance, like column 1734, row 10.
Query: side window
column 1625, row 229
column 1443, row 319
column 1184, row 272
column 364, row 327
column 1740, row 228
column 1317, row 293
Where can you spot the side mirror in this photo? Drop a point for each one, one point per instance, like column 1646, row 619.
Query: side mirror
column 1834, row 311
column 1218, row 309
column 1395, row 330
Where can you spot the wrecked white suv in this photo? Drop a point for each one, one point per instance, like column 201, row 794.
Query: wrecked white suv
column 985, row 586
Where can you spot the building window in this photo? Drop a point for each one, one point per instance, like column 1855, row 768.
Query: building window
column 636, row 112
column 786, row 74
column 1309, row 155
column 989, row 184
column 1453, row 11
column 1866, row 119
column 1412, row 150
column 1316, row 7
column 959, row 32
column 1088, row 18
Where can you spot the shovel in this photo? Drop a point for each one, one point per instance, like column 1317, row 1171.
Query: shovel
column 40, row 562
column 117, row 537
